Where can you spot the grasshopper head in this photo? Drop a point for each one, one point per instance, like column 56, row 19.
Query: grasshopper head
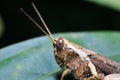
column 60, row 51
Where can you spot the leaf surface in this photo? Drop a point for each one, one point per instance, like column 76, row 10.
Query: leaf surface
column 34, row 59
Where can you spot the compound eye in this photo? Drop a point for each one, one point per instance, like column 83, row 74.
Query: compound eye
column 60, row 43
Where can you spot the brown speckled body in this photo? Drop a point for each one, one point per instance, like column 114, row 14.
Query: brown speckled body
column 68, row 58
column 106, row 65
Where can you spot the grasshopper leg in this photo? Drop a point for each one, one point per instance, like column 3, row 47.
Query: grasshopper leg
column 67, row 71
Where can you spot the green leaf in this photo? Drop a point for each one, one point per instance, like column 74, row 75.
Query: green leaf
column 34, row 59
column 1, row 26
column 113, row 4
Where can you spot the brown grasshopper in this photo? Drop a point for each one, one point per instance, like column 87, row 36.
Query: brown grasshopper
column 83, row 63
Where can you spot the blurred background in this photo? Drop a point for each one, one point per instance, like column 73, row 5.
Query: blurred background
column 60, row 16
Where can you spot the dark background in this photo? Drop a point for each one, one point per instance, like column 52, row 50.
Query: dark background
column 60, row 16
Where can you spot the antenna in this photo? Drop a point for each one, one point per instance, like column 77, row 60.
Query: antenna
column 39, row 15
column 51, row 38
